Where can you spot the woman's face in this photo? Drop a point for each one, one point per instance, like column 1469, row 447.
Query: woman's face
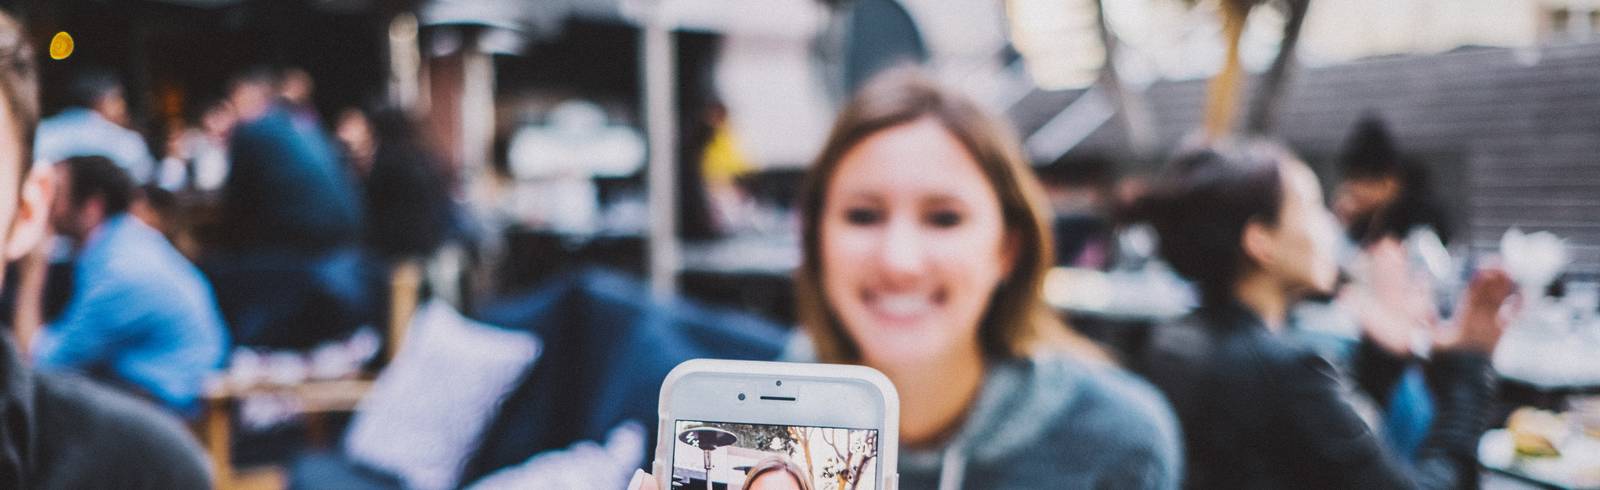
column 1356, row 198
column 1305, row 239
column 913, row 244
column 774, row 480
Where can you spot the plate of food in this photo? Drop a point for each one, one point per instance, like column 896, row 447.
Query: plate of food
column 1556, row 449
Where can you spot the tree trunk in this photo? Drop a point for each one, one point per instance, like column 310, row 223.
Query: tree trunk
column 1223, row 94
column 1132, row 112
column 803, row 437
column 1264, row 107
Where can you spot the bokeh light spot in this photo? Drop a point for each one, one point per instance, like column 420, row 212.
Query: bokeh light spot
column 61, row 46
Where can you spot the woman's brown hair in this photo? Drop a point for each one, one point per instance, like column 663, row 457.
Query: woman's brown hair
column 1017, row 321
column 779, row 464
column 19, row 86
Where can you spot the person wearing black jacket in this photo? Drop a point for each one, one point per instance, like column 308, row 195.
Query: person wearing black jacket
column 1248, row 226
column 59, row 431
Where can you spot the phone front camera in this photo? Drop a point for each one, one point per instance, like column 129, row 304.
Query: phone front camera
column 741, row 397
column 780, row 382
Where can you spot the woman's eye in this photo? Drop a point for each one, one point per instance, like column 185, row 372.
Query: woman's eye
column 944, row 219
column 862, row 216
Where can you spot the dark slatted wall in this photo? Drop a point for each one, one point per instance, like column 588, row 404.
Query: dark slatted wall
column 1513, row 136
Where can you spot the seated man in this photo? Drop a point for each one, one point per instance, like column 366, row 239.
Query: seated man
column 60, row 431
column 141, row 315
column 96, row 124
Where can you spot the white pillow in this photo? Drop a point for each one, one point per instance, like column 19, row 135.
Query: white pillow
column 584, row 464
column 427, row 410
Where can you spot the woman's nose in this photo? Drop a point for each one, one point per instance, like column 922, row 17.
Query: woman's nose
column 902, row 250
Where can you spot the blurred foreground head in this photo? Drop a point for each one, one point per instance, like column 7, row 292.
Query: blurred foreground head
column 24, row 198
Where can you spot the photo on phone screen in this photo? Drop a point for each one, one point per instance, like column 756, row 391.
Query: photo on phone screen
column 728, row 456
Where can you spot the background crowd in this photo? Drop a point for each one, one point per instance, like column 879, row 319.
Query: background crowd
column 459, row 243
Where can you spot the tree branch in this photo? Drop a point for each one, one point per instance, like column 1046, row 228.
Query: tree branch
column 1264, row 107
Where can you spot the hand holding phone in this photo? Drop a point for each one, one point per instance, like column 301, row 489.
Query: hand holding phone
column 771, row 425
column 642, row 481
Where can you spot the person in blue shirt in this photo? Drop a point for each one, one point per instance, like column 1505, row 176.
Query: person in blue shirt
column 141, row 315
column 97, row 124
column 62, row 431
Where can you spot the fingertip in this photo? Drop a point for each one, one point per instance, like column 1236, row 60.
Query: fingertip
column 637, row 482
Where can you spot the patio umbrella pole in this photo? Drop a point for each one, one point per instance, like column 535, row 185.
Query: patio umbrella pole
column 660, row 107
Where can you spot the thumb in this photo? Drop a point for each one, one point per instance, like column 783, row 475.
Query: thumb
column 641, row 481
column 626, row 443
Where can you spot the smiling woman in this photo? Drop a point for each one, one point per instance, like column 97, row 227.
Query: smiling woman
column 925, row 247
column 905, row 152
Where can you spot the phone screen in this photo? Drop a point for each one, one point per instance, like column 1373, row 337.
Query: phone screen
column 731, row 456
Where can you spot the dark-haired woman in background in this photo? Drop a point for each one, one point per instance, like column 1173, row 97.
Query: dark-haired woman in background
column 1248, row 226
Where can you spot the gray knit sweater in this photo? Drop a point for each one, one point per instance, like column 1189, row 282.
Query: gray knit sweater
column 1048, row 422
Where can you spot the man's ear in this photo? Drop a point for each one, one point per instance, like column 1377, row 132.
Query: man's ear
column 30, row 225
column 1256, row 240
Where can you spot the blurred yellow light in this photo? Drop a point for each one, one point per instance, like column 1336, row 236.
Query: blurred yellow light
column 61, row 46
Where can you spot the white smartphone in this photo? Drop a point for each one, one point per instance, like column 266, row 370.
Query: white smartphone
column 746, row 425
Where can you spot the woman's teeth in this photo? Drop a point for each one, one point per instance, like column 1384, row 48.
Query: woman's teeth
column 904, row 305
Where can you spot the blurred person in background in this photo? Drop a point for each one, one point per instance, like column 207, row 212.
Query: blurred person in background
column 289, row 272
column 285, row 189
column 926, row 239
column 253, row 92
column 406, row 191
column 295, row 91
column 197, row 156
column 96, row 124
column 1384, row 194
column 1248, row 226
column 354, row 131
column 63, row 431
column 140, row 315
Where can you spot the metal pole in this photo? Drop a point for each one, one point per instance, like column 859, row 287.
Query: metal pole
column 660, row 106
column 708, row 469
column 405, row 62
column 477, row 124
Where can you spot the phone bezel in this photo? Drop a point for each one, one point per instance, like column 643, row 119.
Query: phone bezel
column 825, row 395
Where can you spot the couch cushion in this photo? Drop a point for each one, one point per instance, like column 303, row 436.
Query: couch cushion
column 427, row 410
column 616, row 346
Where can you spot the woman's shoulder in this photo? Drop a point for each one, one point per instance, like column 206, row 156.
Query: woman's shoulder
column 1114, row 419
column 1109, row 396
